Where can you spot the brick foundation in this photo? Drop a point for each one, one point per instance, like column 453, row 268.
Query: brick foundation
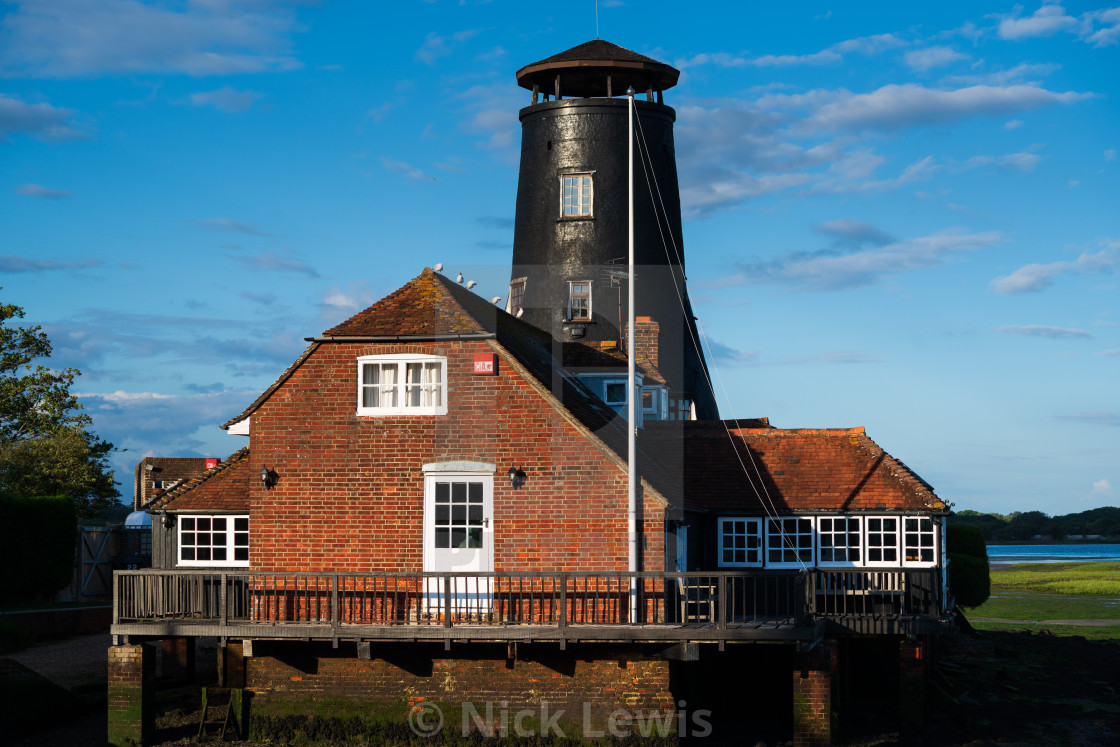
column 587, row 682
column 177, row 659
column 911, row 686
column 812, row 697
column 131, row 708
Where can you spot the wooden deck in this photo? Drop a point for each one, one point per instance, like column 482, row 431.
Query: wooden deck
column 561, row 607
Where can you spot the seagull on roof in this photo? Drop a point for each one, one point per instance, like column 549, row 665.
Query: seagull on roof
column 438, row 267
column 495, row 300
column 520, row 312
column 471, row 284
column 460, row 278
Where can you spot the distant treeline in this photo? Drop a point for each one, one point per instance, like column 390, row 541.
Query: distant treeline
column 1100, row 522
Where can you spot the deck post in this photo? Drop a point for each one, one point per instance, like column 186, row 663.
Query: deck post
column 223, row 597
column 446, row 600
column 563, row 580
column 334, row 600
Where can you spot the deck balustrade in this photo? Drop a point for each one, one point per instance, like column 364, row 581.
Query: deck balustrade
column 569, row 604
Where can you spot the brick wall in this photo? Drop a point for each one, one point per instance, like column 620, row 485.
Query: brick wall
column 812, row 697
column 130, row 714
column 586, row 681
column 350, row 492
column 646, row 340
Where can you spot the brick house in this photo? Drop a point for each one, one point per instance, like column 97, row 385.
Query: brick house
column 434, row 434
column 434, row 495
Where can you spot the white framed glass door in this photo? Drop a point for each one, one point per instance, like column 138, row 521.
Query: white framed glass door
column 458, row 538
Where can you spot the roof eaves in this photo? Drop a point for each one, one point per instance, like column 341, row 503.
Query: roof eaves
column 189, row 485
column 275, row 385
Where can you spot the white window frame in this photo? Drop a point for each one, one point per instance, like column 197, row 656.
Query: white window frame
column 516, row 289
column 606, row 388
column 896, row 546
column 186, row 524
column 774, row 542
column 402, row 408
column 827, row 531
column 571, row 297
column 905, row 546
column 752, row 527
column 577, row 208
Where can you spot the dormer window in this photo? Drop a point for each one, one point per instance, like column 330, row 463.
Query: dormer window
column 575, row 196
column 402, row 385
column 579, row 301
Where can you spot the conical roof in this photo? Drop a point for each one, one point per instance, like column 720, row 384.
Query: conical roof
column 583, row 71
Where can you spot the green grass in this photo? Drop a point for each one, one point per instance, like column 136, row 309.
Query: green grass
column 1066, row 578
column 1032, row 592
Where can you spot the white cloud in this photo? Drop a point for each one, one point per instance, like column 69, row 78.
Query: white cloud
column 868, row 45
column 1041, row 330
column 1024, row 73
column 1033, row 277
column 729, row 356
column 1013, row 124
column 40, row 121
column 894, row 106
column 226, row 99
column 930, row 57
column 1036, row 277
column 1109, row 33
column 1096, row 416
column 1102, row 486
column 855, row 232
column 1110, row 154
column 831, row 270
column 37, row 190
column 1046, row 21
column 400, row 167
column 344, row 302
column 436, row 46
column 84, row 38
column 490, row 106
column 285, row 261
column 14, row 264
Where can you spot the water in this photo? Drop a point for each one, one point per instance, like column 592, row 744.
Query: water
column 1007, row 554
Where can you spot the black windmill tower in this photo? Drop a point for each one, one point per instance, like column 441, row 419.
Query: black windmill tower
column 570, row 233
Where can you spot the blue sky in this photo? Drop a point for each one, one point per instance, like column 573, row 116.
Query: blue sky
column 900, row 218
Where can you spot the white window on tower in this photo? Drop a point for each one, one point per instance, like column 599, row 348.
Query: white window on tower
column 579, row 300
column 402, row 385
column 575, row 196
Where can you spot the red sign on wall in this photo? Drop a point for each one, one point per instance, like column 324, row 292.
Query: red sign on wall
column 485, row 364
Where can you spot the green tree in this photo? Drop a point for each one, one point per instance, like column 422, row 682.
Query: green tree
column 46, row 445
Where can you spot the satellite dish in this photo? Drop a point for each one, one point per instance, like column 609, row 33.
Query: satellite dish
column 438, row 267
column 495, row 300
column 471, row 284
column 520, row 312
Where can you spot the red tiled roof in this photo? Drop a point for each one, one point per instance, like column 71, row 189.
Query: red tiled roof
column 223, row 488
column 774, row 470
column 423, row 306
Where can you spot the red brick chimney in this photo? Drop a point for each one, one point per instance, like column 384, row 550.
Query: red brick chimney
column 646, row 336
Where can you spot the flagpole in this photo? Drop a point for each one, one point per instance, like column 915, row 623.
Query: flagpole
column 631, row 393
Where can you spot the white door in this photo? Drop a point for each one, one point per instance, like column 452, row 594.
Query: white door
column 458, row 538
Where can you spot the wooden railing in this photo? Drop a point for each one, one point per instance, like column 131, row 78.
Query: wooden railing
column 719, row 599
